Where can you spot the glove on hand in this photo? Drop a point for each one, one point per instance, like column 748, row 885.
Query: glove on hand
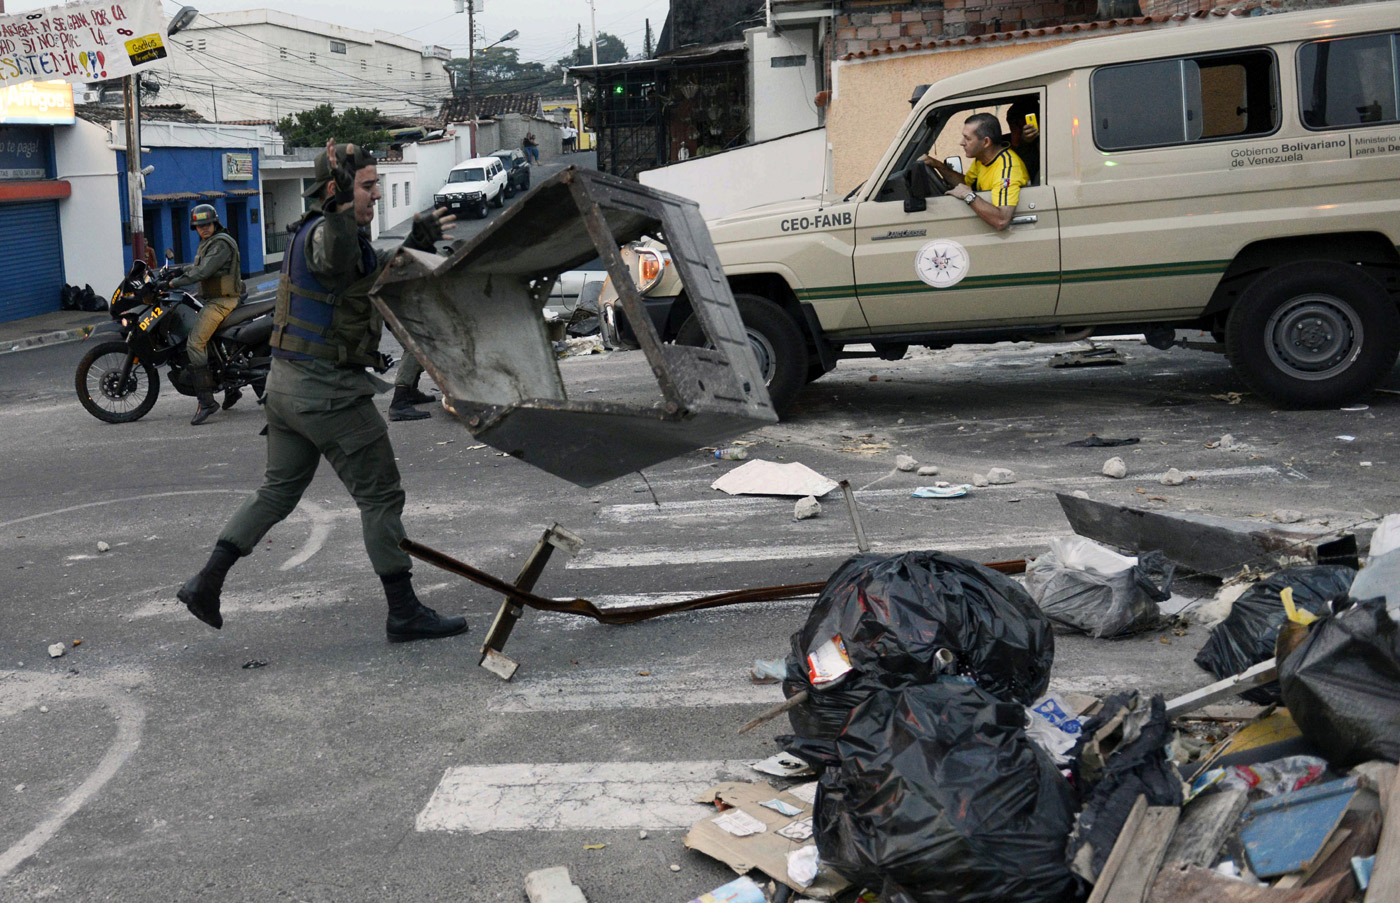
column 426, row 233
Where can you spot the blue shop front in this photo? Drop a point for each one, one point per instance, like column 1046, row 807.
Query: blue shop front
column 185, row 177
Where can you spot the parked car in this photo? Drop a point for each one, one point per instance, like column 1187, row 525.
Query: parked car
column 517, row 169
column 472, row 186
column 1239, row 178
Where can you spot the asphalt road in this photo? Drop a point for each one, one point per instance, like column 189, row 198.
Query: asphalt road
column 152, row 762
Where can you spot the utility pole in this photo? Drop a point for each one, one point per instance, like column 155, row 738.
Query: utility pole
column 593, row 24
column 131, row 102
column 646, row 49
column 471, row 49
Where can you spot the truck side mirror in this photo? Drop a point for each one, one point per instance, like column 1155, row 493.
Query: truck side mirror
column 169, row 253
column 954, row 163
column 915, row 205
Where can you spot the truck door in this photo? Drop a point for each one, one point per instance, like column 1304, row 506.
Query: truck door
column 943, row 267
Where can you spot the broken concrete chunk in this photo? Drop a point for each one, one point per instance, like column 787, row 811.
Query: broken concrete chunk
column 905, row 463
column 1000, row 476
column 806, row 508
column 928, row 470
column 1114, row 467
column 1173, row 477
column 979, row 480
column 552, row 886
column 56, row 650
column 1287, row 516
column 103, row 547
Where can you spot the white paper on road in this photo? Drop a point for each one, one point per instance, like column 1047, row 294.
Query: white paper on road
column 739, row 823
column 769, row 478
column 572, row 796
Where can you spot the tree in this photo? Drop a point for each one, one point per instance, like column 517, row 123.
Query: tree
column 316, row 126
column 499, row 71
column 611, row 49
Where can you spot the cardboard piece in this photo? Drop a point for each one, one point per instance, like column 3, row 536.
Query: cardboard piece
column 767, row 851
column 768, row 478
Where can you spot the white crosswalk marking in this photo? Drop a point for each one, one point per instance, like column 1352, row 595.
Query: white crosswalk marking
column 629, row 688
column 574, row 796
column 738, row 506
column 648, row 556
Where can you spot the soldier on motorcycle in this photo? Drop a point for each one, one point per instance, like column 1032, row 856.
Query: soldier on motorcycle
column 216, row 269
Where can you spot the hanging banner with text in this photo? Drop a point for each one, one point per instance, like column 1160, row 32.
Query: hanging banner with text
column 81, row 42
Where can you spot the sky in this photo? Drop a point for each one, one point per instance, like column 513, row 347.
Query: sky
column 548, row 28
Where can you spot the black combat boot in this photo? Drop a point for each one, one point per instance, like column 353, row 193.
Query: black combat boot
column 201, row 592
column 231, row 397
column 410, row 619
column 203, row 382
column 401, row 407
column 417, row 396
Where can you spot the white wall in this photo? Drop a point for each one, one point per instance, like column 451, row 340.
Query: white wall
column 796, row 166
column 782, row 97
column 91, row 219
column 263, row 138
column 258, row 64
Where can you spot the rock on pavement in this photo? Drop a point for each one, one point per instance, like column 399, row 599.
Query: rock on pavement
column 1114, row 467
column 905, row 463
column 806, row 507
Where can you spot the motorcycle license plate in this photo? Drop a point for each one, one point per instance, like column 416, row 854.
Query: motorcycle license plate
column 149, row 320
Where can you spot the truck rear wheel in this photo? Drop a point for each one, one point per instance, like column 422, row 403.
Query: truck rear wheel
column 776, row 341
column 1313, row 334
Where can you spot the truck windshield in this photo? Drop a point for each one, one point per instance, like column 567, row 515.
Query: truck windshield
column 467, row 175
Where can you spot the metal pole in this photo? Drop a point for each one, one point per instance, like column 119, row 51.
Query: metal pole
column 471, row 50
column 578, row 108
column 137, row 218
column 593, row 24
column 861, row 543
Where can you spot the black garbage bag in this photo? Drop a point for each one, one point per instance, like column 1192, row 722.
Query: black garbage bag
column 1342, row 685
column 1247, row 637
column 940, row 797
column 1122, row 753
column 893, row 615
column 1085, row 586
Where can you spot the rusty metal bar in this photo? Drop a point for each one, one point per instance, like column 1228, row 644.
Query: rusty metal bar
column 587, row 609
column 493, row 657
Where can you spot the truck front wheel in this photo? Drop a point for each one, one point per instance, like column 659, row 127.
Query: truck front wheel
column 1313, row 334
column 777, row 345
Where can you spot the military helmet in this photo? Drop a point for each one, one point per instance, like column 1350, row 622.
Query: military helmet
column 204, row 215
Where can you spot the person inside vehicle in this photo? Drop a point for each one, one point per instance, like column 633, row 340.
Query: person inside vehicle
column 995, row 169
column 1024, row 137
column 216, row 270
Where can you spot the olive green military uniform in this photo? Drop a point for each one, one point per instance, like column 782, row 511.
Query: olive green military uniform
column 216, row 269
column 319, row 408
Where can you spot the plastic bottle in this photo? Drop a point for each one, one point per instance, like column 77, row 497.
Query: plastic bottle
column 732, row 453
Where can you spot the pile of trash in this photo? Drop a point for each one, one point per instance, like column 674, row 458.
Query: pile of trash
column 935, row 767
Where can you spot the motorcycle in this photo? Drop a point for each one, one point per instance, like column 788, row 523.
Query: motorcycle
column 117, row 381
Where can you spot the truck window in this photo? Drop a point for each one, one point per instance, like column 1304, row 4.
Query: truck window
column 1181, row 101
column 940, row 135
column 1349, row 81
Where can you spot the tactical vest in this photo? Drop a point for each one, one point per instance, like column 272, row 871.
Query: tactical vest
column 221, row 285
column 310, row 322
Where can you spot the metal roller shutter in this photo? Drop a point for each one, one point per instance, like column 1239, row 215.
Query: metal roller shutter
column 31, row 259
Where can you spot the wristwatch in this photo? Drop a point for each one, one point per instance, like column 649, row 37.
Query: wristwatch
column 971, row 196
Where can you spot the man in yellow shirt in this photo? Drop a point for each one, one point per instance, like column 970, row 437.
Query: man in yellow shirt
column 995, row 170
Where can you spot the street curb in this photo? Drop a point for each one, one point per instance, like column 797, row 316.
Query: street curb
column 57, row 337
